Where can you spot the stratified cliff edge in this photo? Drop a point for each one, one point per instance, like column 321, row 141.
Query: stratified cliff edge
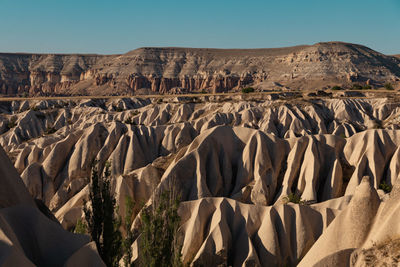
column 192, row 69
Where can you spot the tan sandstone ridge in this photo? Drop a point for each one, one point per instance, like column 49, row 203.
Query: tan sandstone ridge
column 28, row 237
column 234, row 160
column 172, row 70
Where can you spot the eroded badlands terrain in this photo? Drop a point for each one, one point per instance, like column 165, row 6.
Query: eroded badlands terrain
column 234, row 159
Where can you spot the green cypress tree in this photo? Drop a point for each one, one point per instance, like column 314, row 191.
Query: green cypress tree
column 159, row 244
column 102, row 222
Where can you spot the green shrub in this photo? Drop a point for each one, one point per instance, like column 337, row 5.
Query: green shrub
column 336, row 87
column 388, row 86
column 247, row 90
column 367, row 87
column 101, row 219
column 50, row 130
column 356, row 87
column 130, row 121
column 80, row 227
column 12, row 123
column 385, row 187
column 129, row 238
column 160, row 222
column 293, row 198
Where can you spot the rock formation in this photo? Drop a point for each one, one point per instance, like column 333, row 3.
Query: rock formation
column 28, row 237
column 164, row 70
column 235, row 160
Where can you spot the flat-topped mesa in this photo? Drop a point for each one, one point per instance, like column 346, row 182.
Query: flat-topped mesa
column 192, row 69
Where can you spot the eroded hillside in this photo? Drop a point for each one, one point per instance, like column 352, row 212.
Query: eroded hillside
column 166, row 70
column 235, row 160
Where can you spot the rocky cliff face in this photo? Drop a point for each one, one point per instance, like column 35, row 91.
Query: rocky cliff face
column 30, row 73
column 166, row 69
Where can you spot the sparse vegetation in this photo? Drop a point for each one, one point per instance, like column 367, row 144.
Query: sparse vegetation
column 129, row 238
column 356, row 86
column 367, row 87
column 101, row 218
column 119, row 109
column 378, row 125
column 388, row 86
column 12, row 123
column 293, row 198
column 159, row 241
column 336, row 87
column 50, row 130
column 80, row 227
column 387, row 188
column 247, row 90
column 130, row 121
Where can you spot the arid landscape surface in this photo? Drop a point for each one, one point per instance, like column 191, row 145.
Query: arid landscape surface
column 235, row 159
column 293, row 174
column 176, row 70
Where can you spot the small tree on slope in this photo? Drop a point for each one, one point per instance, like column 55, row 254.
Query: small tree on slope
column 159, row 234
column 102, row 222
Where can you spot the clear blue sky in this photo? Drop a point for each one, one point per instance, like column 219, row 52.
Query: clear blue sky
column 106, row 27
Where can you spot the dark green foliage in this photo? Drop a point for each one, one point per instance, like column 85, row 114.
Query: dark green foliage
column 336, row 87
column 129, row 238
column 50, row 130
column 367, row 86
column 118, row 109
column 102, row 222
column 11, row 123
column 294, row 198
column 247, row 90
column 135, row 112
column 80, row 227
column 130, row 121
column 388, row 86
column 160, row 222
column 356, row 87
column 385, row 187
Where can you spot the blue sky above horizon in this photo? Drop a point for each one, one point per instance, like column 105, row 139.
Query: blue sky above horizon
column 112, row 27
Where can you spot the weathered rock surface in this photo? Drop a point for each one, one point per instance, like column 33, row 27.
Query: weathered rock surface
column 28, row 237
column 186, row 69
column 234, row 162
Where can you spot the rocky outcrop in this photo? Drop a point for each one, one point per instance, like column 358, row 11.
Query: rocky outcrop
column 42, row 74
column 162, row 70
column 235, row 163
column 28, row 237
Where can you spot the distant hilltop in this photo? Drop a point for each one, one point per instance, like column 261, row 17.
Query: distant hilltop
column 175, row 69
